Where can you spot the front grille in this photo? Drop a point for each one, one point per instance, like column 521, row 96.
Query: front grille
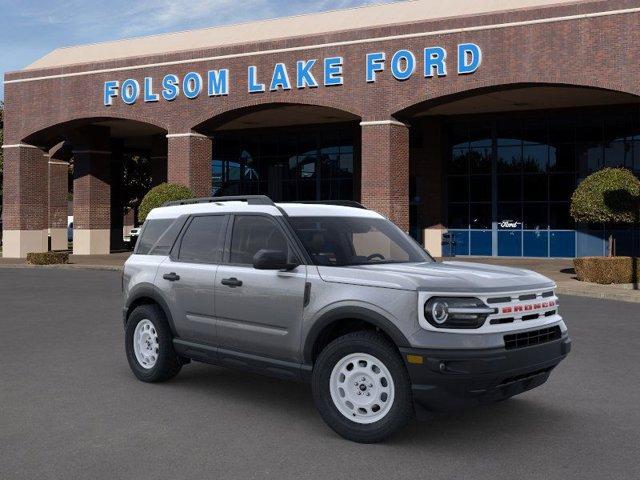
column 499, row 300
column 528, row 296
column 534, row 337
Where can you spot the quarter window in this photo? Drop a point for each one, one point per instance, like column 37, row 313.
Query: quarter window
column 204, row 239
column 151, row 232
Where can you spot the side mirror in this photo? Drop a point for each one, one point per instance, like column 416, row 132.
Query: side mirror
column 272, row 260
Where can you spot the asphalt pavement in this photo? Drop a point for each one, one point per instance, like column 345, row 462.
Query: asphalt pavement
column 71, row 409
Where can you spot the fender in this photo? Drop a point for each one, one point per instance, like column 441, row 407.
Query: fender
column 351, row 312
column 148, row 290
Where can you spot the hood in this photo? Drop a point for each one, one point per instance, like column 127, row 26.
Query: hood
column 438, row 277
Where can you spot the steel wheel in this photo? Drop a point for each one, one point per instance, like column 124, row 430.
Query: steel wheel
column 145, row 344
column 362, row 388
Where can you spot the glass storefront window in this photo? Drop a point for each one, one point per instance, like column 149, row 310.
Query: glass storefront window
column 458, row 215
column 458, row 189
column 287, row 164
column 510, row 158
column 535, row 160
column 480, row 188
column 480, row 216
column 509, row 188
column 535, row 216
column 618, row 153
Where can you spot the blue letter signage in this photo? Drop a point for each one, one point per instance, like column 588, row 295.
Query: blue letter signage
column 429, row 62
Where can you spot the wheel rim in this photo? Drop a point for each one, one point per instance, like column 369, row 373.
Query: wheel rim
column 362, row 388
column 145, row 344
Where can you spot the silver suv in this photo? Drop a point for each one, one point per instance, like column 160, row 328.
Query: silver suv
column 336, row 295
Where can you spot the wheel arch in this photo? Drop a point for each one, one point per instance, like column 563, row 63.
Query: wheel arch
column 343, row 320
column 147, row 294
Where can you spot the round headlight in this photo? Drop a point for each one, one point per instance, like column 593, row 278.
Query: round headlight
column 456, row 312
column 440, row 311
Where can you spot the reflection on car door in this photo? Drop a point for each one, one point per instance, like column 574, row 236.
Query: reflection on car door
column 187, row 278
column 259, row 311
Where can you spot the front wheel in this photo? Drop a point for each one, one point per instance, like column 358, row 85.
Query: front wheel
column 361, row 387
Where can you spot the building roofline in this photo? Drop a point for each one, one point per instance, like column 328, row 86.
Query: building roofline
column 296, row 26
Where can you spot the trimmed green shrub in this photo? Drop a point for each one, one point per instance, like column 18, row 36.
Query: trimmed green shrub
column 158, row 196
column 607, row 270
column 48, row 258
column 610, row 195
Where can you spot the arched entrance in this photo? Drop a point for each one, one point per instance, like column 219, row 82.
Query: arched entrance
column 496, row 168
column 111, row 162
column 286, row 151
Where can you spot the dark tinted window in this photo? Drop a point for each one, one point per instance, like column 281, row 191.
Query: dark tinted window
column 252, row 233
column 204, row 239
column 168, row 238
column 150, row 234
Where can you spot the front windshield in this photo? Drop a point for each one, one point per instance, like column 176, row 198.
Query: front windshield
column 343, row 241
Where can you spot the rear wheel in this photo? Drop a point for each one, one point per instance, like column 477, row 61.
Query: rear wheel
column 361, row 387
column 149, row 345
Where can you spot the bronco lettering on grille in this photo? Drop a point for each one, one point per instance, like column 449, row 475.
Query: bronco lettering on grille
column 528, row 308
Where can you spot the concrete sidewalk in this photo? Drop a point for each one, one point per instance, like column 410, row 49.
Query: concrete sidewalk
column 559, row 270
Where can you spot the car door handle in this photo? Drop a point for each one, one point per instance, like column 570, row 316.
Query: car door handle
column 172, row 277
column 231, row 282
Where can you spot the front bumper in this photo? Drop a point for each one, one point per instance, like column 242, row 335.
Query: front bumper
column 452, row 379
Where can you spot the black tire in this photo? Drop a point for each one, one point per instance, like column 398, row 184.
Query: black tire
column 168, row 363
column 374, row 344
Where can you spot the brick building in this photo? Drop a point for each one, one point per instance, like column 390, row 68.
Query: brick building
column 474, row 117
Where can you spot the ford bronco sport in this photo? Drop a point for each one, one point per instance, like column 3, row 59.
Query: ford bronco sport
column 336, row 295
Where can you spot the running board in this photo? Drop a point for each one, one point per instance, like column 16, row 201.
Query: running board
column 243, row 361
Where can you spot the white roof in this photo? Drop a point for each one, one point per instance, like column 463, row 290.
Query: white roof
column 292, row 209
column 273, row 29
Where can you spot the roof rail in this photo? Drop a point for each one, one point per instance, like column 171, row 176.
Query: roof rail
column 340, row 203
column 250, row 199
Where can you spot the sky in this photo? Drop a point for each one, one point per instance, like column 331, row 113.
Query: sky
column 30, row 29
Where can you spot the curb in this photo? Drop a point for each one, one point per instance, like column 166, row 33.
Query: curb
column 618, row 296
column 70, row 266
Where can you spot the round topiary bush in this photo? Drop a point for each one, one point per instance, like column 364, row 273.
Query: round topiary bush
column 609, row 195
column 158, row 196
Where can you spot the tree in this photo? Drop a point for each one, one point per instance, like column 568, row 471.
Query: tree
column 136, row 181
column 158, row 196
column 609, row 196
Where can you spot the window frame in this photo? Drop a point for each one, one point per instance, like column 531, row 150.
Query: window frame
column 175, row 250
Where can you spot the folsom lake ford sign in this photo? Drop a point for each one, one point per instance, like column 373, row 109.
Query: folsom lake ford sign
column 310, row 73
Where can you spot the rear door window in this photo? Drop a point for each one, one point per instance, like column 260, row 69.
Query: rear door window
column 203, row 241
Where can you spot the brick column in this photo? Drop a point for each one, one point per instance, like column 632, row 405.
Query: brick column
column 24, row 201
column 91, row 191
column 58, row 190
column 158, row 160
column 91, row 202
column 385, row 170
column 189, row 162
